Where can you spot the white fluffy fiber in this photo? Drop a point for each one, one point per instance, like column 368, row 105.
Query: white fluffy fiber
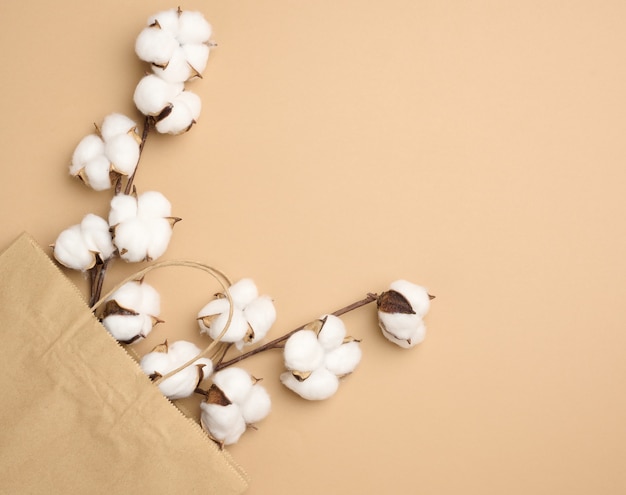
column 154, row 95
column 183, row 383
column 176, row 43
column 186, row 108
column 315, row 362
column 142, row 225
column 116, row 149
column 139, row 298
column 252, row 315
column 249, row 404
column 79, row 246
column 320, row 385
column 404, row 329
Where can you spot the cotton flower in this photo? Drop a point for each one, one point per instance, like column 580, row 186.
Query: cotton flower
column 234, row 401
column 176, row 43
column 252, row 315
column 131, row 311
column 401, row 311
column 175, row 109
column 81, row 246
column 142, row 226
column 113, row 150
column 317, row 356
column 168, row 357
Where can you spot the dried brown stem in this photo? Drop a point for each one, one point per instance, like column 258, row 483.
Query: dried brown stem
column 279, row 342
column 147, row 124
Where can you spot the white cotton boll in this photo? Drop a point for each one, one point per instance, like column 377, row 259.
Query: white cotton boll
column 160, row 236
column 150, row 300
column 402, row 325
column 303, row 352
column 87, row 149
column 182, row 116
column 332, row 333
column 71, row 251
column 95, row 232
column 411, row 338
column 153, row 94
column 97, row 173
column 224, row 423
column 261, row 315
column 155, row 45
column 344, row 359
column 114, row 124
column 416, row 295
column 320, row 385
column 257, row 405
column 182, row 384
column 177, row 70
column 236, row 383
column 197, row 57
column 123, row 153
column 132, row 239
column 123, row 207
column 182, row 351
column 153, row 204
column 168, row 21
column 155, row 362
column 128, row 327
column 193, row 28
column 191, row 101
column 236, row 330
column 139, row 297
column 243, row 292
column 214, row 307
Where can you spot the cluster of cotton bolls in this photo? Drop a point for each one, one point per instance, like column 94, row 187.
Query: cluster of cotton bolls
column 81, row 246
column 234, row 402
column 110, row 152
column 132, row 311
column 176, row 43
column 141, row 225
column 401, row 310
column 317, row 356
column 252, row 315
column 166, row 358
column 139, row 228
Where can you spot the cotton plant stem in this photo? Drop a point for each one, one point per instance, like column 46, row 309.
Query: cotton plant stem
column 147, row 124
column 98, row 273
column 279, row 342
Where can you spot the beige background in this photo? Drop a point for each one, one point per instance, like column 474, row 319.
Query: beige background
column 476, row 148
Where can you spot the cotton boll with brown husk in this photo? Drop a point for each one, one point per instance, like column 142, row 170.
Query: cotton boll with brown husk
column 184, row 112
column 132, row 311
column 83, row 245
column 176, row 43
column 317, row 356
column 111, row 152
column 401, row 310
column 252, row 315
column 165, row 358
column 320, row 384
column 153, row 96
column 234, row 399
column 142, row 225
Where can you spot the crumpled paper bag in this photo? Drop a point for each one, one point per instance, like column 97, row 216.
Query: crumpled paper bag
column 77, row 414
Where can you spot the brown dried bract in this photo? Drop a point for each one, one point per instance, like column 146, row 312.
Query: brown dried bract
column 113, row 308
column 394, row 302
column 215, row 396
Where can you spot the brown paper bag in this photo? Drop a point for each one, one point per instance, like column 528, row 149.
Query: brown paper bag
column 77, row 414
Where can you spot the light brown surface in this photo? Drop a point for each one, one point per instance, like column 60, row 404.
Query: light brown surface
column 476, row 148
